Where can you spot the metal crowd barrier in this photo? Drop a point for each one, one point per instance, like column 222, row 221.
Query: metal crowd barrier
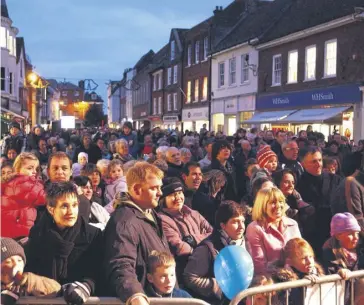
column 109, row 301
column 250, row 292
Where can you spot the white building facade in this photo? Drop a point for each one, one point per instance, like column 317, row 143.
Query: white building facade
column 234, row 85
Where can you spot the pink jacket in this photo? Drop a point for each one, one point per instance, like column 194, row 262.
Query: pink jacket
column 117, row 186
column 266, row 242
column 190, row 222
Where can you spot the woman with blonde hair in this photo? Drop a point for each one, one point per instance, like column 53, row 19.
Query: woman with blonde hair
column 21, row 194
column 271, row 229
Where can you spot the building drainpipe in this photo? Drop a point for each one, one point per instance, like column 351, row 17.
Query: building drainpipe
column 210, row 78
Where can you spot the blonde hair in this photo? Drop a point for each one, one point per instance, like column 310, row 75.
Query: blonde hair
column 19, row 160
column 158, row 259
column 296, row 246
column 262, row 199
column 139, row 172
column 120, row 143
column 103, row 163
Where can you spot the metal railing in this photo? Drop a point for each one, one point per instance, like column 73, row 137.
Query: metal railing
column 109, row 301
column 250, row 292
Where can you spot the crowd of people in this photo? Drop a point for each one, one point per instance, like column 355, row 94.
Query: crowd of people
column 139, row 214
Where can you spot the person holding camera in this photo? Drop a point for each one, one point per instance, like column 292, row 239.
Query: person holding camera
column 183, row 227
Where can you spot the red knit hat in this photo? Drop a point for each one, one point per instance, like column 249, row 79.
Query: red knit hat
column 264, row 154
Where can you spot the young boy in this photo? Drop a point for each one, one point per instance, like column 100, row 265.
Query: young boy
column 16, row 283
column 267, row 159
column 162, row 277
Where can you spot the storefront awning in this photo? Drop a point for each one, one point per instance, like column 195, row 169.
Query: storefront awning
column 269, row 117
column 314, row 115
column 13, row 113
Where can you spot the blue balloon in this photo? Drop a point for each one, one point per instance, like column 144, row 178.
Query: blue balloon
column 234, row 270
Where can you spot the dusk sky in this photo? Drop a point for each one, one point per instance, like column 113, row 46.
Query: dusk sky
column 78, row 39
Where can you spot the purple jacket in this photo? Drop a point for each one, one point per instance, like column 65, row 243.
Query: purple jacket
column 187, row 222
column 266, row 242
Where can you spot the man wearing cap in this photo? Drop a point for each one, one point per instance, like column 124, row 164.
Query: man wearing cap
column 15, row 140
column 131, row 138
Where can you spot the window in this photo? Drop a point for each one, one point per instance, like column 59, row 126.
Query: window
column 310, row 65
column 232, row 71
column 160, row 105
column 205, row 47
column 3, row 37
column 204, row 89
column 21, row 68
column 189, row 55
column 188, row 91
column 174, row 101
column 169, row 102
column 3, row 79
column 197, row 52
column 244, row 68
column 197, row 96
column 292, row 66
column 173, row 50
column 76, row 93
column 169, row 79
column 10, row 82
column 175, row 74
column 155, row 106
column 221, row 74
column 160, row 82
column 277, row 70
column 64, row 93
column 330, row 58
column 10, row 43
column 155, row 82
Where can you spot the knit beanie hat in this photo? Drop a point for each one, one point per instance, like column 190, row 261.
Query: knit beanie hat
column 170, row 186
column 264, row 154
column 82, row 154
column 344, row 222
column 10, row 247
column 14, row 124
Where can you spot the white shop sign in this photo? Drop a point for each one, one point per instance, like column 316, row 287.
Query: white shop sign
column 231, row 105
column 246, row 103
column 170, row 118
column 195, row 114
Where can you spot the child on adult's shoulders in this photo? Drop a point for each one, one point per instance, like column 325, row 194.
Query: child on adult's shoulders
column 162, row 277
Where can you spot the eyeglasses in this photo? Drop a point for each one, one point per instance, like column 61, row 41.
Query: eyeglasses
column 293, row 149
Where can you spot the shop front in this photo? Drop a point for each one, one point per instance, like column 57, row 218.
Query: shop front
column 327, row 110
column 246, row 107
column 194, row 118
column 140, row 116
column 171, row 122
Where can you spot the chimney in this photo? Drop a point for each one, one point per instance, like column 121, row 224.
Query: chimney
column 217, row 10
column 81, row 84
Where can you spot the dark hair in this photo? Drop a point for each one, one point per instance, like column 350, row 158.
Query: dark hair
column 217, row 146
column 227, row 210
column 257, row 184
column 308, row 150
column 89, row 169
column 301, row 131
column 188, row 165
column 250, row 162
column 6, row 164
column 278, row 176
column 333, row 142
column 59, row 155
column 81, row 180
column 328, row 161
column 57, row 190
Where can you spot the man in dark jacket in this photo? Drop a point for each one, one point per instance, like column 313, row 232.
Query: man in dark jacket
column 289, row 157
column 192, row 177
column 317, row 188
column 281, row 137
column 131, row 138
column 133, row 231
column 34, row 137
column 15, row 140
column 93, row 151
column 175, row 165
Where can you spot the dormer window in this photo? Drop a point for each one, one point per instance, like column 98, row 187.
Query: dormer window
column 173, row 50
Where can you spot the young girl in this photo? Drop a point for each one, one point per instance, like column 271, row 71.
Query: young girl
column 267, row 159
column 262, row 298
column 117, row 182
column 21, row 194
column 344, row 252
column 298, row 262
column 82, row 161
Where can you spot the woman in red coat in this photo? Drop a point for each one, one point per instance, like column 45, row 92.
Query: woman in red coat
column 20, row 195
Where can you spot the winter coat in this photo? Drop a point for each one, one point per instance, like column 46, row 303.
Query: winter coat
column 339, row 202
column 177, row 225
column 176, row 293
column 199, row 275
column 240, row 160
column 18, row 143
column 132, row 140
column 206, row 205
column 43, row 158
column 117, row 186
column 32, row 141
column 266, row 242
column 94, row 153
column 293, row 165
column 230, row 190
column 174, row 170
column 319, row 191
column 20, row 196
column 73, row 254
column 130, row 235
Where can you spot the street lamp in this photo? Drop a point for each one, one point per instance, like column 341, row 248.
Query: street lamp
column 33, row 77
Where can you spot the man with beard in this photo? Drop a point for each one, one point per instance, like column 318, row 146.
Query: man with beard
column 317, row 188
column 192, row 177
column 133, row 231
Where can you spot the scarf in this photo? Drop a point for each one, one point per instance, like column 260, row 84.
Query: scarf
column 228, row 241
column 60, row 244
